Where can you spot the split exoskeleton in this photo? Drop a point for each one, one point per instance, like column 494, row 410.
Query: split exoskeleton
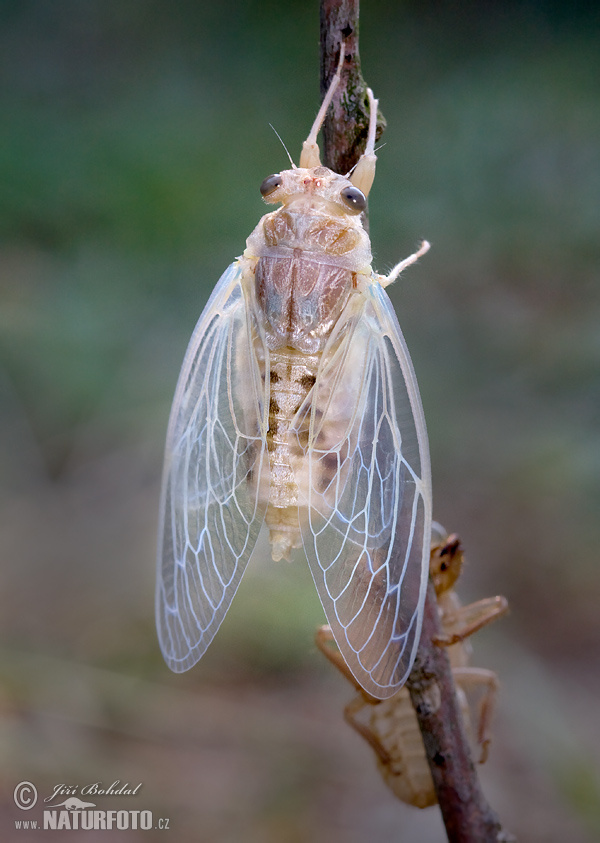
column 390, row 726
column 297, row 407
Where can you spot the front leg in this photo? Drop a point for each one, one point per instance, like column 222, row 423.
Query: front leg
column 386, row 280
column 462, row 622
column 351, row 712
column 326, row 643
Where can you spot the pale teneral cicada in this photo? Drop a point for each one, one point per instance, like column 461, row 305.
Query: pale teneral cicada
column 297, row 407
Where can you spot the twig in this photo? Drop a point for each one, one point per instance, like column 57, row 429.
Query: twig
column 347, row 123
column 467, row 816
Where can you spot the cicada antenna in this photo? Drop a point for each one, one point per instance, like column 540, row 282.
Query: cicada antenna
column 284, row 146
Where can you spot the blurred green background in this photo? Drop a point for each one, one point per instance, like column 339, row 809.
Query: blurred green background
column 133, row 138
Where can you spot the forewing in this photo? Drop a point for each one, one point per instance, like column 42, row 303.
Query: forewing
column 211, row 510
column 367, row 532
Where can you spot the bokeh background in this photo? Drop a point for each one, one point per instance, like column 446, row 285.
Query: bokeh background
column 133, row 138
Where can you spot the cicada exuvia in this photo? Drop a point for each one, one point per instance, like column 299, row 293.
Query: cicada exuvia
column 391, row 726
column 297, row 407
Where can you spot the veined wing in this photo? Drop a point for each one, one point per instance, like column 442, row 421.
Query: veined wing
column 211, row 511
column 367, row 532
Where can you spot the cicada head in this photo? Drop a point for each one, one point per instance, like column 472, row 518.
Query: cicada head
column 446, row 562
column 346, row 194
column 316, row 186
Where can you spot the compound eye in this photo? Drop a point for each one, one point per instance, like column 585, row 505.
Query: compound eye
column 270, row 184
column 354, row 199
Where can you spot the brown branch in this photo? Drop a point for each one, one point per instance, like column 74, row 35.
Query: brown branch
column 347, row 123
column 467, row 816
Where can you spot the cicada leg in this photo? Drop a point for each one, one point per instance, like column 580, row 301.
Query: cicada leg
column 325, row 642
column 469, row 678
column 351, row 712
column 386, row 280
column 466, row 620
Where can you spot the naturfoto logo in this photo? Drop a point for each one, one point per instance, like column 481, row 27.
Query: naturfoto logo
column 69, row 808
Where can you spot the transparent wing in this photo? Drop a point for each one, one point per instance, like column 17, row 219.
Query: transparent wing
column 210, row 513
column 367, row 529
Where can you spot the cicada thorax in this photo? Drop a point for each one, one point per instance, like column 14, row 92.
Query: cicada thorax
column 302, row 281
column 304, row 278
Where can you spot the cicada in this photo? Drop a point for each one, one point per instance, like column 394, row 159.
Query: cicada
column 297, row 407
column 391, row 727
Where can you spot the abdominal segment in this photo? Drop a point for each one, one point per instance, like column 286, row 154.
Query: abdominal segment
column 300, row 301
column 306, row 450
column 292, row 376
